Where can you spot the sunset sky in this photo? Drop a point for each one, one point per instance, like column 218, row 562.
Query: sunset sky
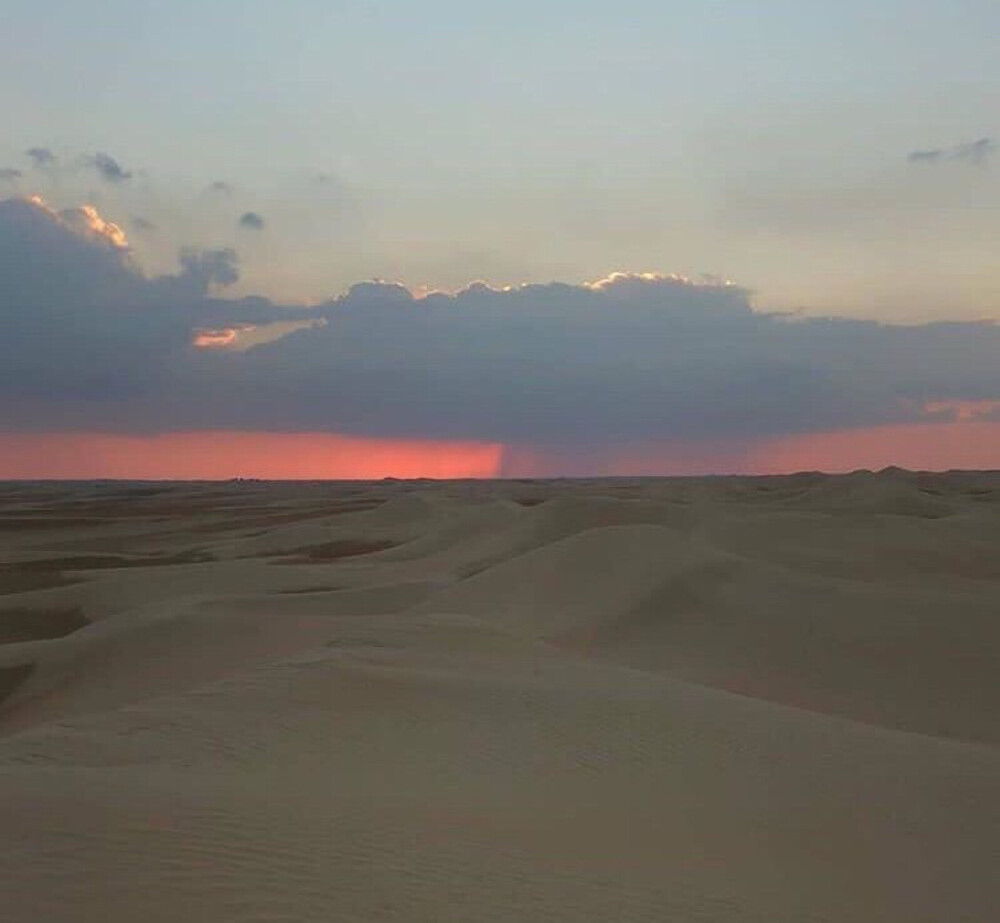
column 630, row 238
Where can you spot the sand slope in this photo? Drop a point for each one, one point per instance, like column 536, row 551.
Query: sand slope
column 697, row 700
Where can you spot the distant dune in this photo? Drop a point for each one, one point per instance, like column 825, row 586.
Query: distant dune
column 693, row 700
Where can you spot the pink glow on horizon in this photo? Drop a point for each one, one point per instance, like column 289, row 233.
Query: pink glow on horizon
column 966, row 443
column 222, row 455
column 965, row 410
column 972, row 444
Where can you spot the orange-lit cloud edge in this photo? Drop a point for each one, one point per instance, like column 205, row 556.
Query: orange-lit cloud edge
column 215, row 455
column 86, row 221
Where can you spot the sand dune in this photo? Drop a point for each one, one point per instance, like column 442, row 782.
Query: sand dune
column 739, row 699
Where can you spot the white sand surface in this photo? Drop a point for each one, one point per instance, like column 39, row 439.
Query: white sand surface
column 719, row 699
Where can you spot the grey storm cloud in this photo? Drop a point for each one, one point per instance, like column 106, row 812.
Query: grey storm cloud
column 974, row 152
column 89, row 341
column 9, row 175
column 83, row 330
column 71, row 316
column 251, row 221
column 633, row 358
column 41, row 157
column 108, row 168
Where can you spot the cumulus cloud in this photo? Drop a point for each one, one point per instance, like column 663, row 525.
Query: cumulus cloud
column 87, row 340
column 251, row 221
column 108, row 168
column 210, row 267
column 71, row 329
column 41, row 157
column 52, row 256
column 9, row 175
column 973, row 152
column 88, row 221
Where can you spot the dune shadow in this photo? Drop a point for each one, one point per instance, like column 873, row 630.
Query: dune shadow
column 39, row 624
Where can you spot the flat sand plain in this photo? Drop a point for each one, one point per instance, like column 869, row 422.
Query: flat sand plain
column 719, row 699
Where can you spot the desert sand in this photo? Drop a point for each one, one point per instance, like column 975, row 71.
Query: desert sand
column 715, row 699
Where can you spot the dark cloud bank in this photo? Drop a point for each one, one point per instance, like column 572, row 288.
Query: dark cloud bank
column 87, row 342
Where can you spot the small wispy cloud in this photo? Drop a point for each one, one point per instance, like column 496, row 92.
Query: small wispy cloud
column 251, row 221
column 972, row 152
column 932, row 155
column 977, row 151
column 41, row 157
column 108, row 168
column 222, row 187
column 142, row 224
column 9, row 175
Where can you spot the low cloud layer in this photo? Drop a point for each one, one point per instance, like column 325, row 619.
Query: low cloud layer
column 88, row 341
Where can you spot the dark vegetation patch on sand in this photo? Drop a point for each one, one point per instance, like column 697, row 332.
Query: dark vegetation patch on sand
column 15, row 580
column 97, row 511
column 42, row 521
column 307, row 589
column 335, row 550
column 12, row 677
column 47, row 573
column 39, row 624
column 104, row 561
column 266, row 521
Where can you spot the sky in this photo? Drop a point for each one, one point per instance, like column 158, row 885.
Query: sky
column 360, row 238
